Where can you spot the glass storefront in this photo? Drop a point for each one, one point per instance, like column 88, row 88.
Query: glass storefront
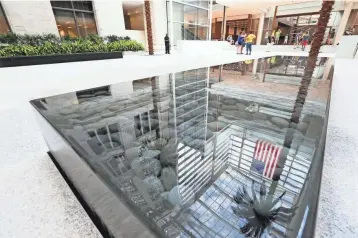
column 190, row 20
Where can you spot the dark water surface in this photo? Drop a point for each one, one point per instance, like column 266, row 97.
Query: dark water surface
column 197, row 152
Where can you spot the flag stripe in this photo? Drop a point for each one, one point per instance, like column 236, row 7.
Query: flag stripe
column 269, row 156
column 271, row 162
column 265, row 158
column 276, row 160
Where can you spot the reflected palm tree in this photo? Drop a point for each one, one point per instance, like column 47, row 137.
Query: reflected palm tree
column 260, row 213
column 303, row 89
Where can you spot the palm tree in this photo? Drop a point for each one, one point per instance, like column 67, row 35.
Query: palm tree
column 148, row 20
column 260, row 213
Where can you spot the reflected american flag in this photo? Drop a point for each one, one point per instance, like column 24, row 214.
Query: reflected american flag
column 265, row 159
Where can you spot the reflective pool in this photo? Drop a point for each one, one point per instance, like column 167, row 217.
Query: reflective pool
column 225, row 151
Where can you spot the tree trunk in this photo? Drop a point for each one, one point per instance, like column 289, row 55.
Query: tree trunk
column 148, row 20
column 303, row 89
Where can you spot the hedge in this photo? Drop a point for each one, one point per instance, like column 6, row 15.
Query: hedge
column 50, row 45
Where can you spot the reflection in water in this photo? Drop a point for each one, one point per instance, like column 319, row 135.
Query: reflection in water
column 185, row 148
column 260, row 211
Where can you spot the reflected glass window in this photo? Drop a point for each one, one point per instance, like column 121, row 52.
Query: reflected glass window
column 74, row 18
column 4, row 26
column 133, row 15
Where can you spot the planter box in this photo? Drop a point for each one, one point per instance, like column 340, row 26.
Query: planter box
column 55, row 59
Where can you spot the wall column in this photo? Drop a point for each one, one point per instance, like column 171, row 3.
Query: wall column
column 342, row 25
column 249, row 21
column 223, row 25
column 261, row 28
column 171, row 25
column 210, row 19
column 274, row 19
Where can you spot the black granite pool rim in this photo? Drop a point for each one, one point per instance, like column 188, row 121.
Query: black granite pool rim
column 93, row 215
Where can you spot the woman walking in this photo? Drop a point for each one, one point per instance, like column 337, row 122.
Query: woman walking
column 297, row 40
column 240, row 43
column 305, row 39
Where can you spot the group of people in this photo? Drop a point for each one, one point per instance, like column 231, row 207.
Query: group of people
column 301, row 39
column 274, row 38
column 243, row 40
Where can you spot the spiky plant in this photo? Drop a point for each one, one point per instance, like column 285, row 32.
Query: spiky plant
column 259, row 210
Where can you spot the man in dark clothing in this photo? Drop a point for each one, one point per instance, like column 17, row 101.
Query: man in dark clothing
column 167, row 44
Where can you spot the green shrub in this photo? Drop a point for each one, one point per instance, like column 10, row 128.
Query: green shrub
column 69, row 47
column 114, row 38
column 95, row 38
column 9, row 38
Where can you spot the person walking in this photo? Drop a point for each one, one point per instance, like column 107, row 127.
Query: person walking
column 286, row 40
column 249, row 40
column 240, row 43
column 267, row 38
column 167, row 44
column 331, row 34
column 305, row 38
column 273, row 37
column 277, row 36
column 229, row 39
column 297, row 39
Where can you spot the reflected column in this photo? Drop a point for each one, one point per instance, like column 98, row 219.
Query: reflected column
column 254, row 68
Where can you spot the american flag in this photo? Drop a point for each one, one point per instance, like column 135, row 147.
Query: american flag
column 266, row 155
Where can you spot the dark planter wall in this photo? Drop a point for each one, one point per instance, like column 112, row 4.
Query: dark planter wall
column 55, row 59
